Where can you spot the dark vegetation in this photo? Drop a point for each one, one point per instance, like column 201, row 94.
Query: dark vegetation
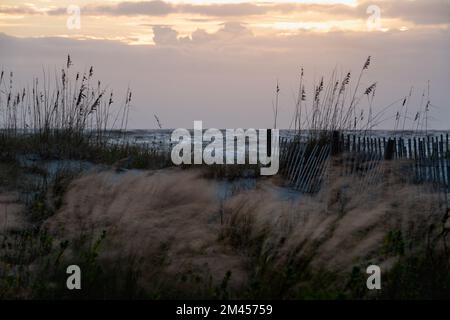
column 76, row 119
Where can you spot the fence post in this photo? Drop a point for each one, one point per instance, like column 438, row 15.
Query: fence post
column 447, row 162
column 441, row 161
column 379, row 147
column 389, row 151
column 348, row 143
column 335, row 144
column 269, row 142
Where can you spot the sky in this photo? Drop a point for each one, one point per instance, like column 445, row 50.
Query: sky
column 220, row 60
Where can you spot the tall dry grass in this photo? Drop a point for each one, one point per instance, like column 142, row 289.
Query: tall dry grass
column 70, row 115
column 345, row 102
column 185, row 242
column 58, row 116
column 70, row 104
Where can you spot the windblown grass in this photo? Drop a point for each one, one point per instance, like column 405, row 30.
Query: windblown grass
column 347, row 102
column 168, row 231
column 169, row 234
column 71, row 116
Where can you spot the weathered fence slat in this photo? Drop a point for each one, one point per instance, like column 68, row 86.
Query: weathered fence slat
column 304, row 163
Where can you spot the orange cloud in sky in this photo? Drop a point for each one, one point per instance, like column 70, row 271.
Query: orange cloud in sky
column 124, row 20
column 203, row 52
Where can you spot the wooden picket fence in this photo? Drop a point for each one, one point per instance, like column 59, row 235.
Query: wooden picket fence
column 304, row 161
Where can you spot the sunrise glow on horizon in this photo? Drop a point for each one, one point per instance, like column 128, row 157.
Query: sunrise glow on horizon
column 134, row 22
column 216, row 57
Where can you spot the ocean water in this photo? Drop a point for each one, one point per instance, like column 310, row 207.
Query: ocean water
column 161, row 138
column 155, row 136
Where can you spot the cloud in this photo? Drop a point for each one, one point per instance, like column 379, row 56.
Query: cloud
column 420, row 12
column 19, row 10
column 164, row 35
column 161, row 8
column 226, row 10
column 146, row 8
column 416, row 11
column 150, row 8
column 230, row 31
column 227, row 78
